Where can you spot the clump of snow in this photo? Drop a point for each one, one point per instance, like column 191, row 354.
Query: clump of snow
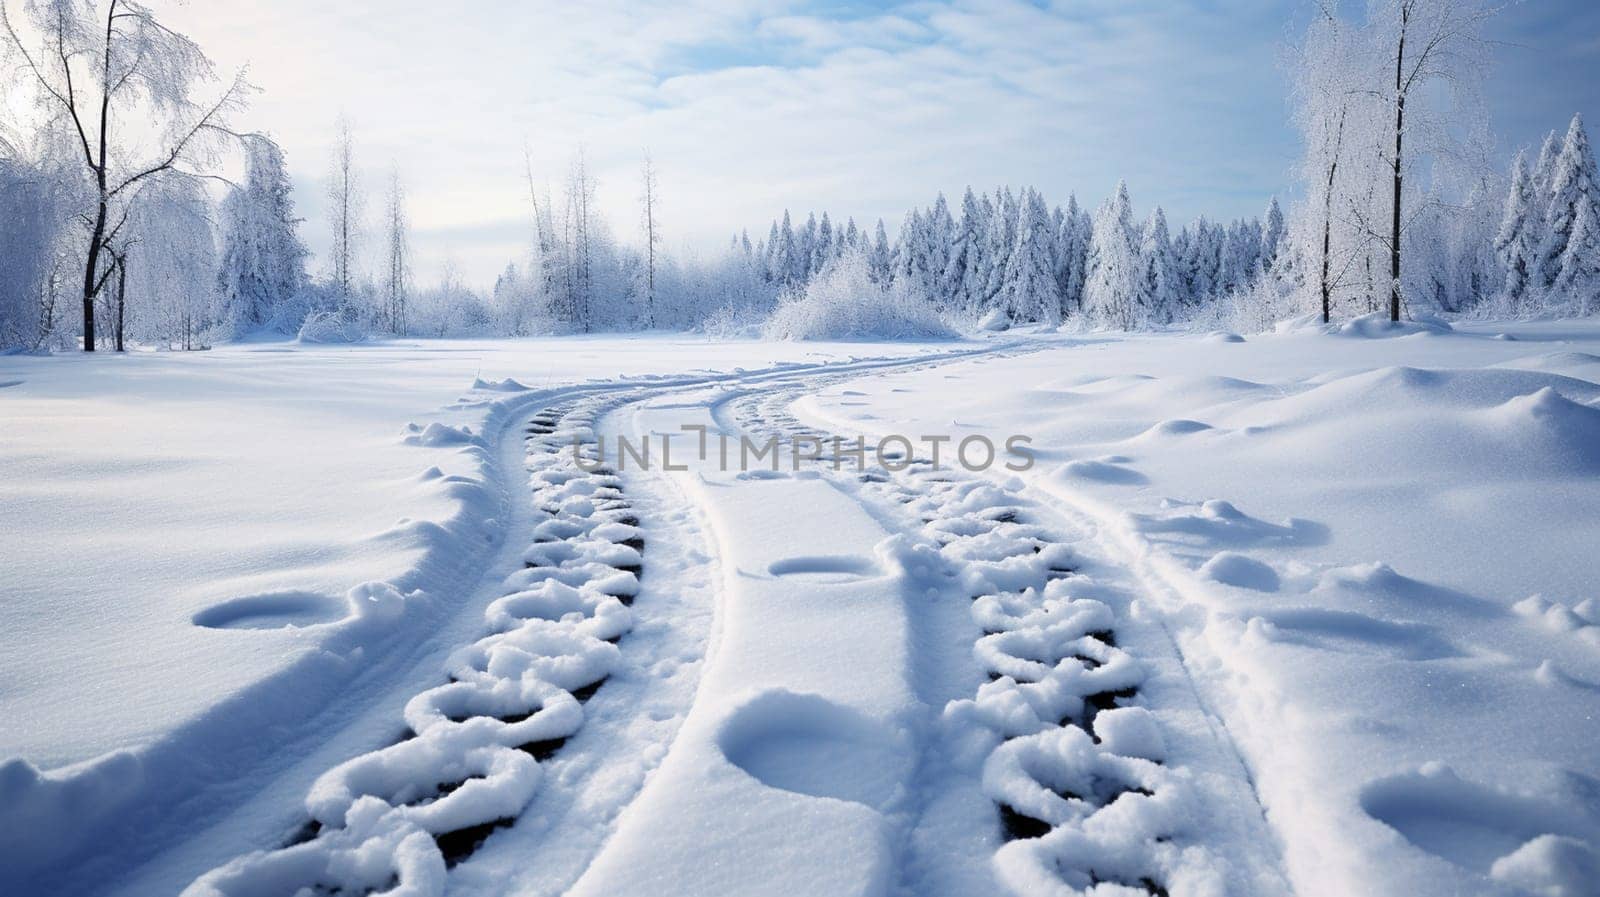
column 377, row 601
column 506, row 385
column 1370, row 326
column 436, row 435
column 1583, row 619
column 1234, row 569
column 843, row 303
column 1550, row 866
column 995, row 321
column 1131, row 732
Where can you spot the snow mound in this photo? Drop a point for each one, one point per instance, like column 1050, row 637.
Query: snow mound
column 843, row 303
column 437, row 435
column 1234, row 569
column 1551, row 866
column 994, row 322
column 1223, row 336
column 506, row 385
column 1373, row 326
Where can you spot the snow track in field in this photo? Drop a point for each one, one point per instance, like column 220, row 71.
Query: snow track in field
column 1094, row 792
column 395, row 819
column 1036, row 735
column 474, row 754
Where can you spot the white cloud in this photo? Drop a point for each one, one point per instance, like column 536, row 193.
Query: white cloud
column 751, row 108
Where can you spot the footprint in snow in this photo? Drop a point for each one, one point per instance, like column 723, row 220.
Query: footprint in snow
column 274, row 610
column 1531, row 842
column 1105, row 472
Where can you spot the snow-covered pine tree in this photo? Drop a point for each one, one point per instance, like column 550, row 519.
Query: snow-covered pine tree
column 1272, row 232
column 824, row 250
column 962, row 259
column 1030, row 292
column 1113, row 264
column 1573, row 186
column 851, row 239
column 938, row 233
column 997, row 256
column 1157, row 298
column 906, row 261
column 263, row 260
column 804, row 248
column 984, row 255
column 771, row 265
column 1200, row 262
column 1072, row 255
column 785, row 263
column 1516, row 246
column 880, row 258
column 1577, row 283
column 1544, row 169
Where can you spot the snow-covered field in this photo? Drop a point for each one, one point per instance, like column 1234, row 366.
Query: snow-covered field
column 1313, row 612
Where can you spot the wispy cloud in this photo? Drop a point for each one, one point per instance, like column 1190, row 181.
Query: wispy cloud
column 749, row 108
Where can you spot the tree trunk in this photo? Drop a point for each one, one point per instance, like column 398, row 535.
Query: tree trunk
column 90, row 280
column 1399, row 137
column 1327, row 222
column 122, row 303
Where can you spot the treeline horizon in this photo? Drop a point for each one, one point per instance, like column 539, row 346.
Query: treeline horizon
column 1400, row 211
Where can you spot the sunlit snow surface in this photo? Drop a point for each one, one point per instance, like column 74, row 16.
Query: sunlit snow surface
column 1357, row 569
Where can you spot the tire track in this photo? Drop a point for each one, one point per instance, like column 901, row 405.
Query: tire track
column 1060, row 735
column 395, row 820
column 468, row 762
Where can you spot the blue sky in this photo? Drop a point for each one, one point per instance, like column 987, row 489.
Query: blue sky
column 863, row 109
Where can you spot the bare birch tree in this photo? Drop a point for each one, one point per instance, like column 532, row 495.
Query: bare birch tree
column 1431, row 43
column 345, row 205
column 95, row 67
column 652, row 239
column 397, row 272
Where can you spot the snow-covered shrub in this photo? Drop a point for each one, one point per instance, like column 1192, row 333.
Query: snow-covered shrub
column 843, row 302
column 338, row 325
column 734, row 322
column 1257, row 308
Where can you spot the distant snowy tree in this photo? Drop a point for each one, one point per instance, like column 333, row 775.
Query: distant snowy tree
column 804, row 250
column 649, row 201
column 1573, row 189
column 880, row 257
column 345, row 202
column 1428, row 45
column 786, row 263
column 397, row 257
column 1577, row 283
column 1072, row 255
column 1030, row 292
column 35, row 202
column 1113, row 279
column 1158, row 289
column 1271, row 236
column 263, row 260
column 1516, row 245
column 823, row 251
column 937, row 235
column 961, row 262
column 1543, row 172
column 168, row 269
column 1002, row 239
